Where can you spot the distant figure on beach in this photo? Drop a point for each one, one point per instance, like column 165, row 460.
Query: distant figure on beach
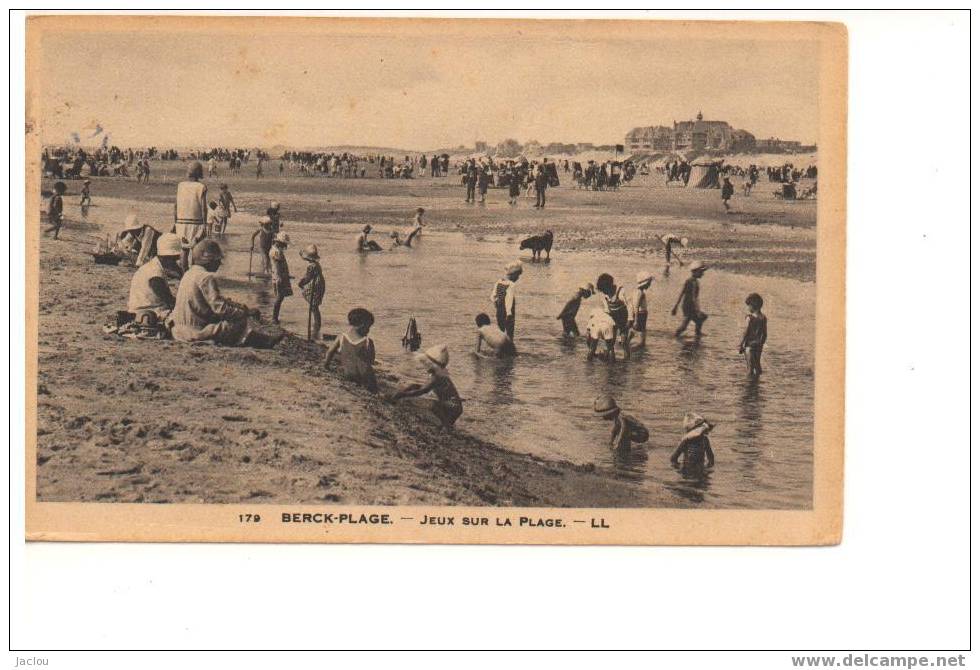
column 569, row 326
column 448, row 405
column 727, row 191
column 214, row 219
column 227, row 203
column 86, row 200
column 281, row 285
column 614, row 304
column 541, row 178
column 190, row 210
column 275, row 215
column 639, row 308
column 264, row 235
column 356, row 350
column 694, row 453
column 314, row 288
column 504, row 298
column 756, row 333
column 201, row 313
column 690, row 302
column 626, row 429
column 56, row 206
column 497, row 340
column 363, row 243
column 670, row 241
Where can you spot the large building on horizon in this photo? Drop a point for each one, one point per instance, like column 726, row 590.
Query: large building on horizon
column 700, row 135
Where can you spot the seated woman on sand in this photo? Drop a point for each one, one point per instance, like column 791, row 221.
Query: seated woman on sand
column 150, row 299
column 202, row 314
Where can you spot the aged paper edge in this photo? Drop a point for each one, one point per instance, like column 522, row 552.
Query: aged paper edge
column 822, row 525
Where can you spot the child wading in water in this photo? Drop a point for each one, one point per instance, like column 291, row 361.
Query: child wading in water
column 601, row 328
column 56, row 207
column 448, row 405
column 643, row 281
column 617, row 309
column 694, row 453
column 626, row 430
column 756, row 333
column 280, row 273
column 496, row 339
column 568, row 313
column 690, row 302
column 356, row 350
column 313, row 287
column 504, row 298
column 265, row 237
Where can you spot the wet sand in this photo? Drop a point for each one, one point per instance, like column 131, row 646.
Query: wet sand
column 123, row 420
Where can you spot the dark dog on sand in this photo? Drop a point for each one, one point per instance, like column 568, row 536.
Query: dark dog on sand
column 539, row 243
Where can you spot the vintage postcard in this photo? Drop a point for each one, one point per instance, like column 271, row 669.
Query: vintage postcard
column 309, row 279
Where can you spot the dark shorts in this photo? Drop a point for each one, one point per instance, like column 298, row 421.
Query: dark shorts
column 640, row 322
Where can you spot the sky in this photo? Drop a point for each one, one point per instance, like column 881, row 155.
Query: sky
column 412, row 91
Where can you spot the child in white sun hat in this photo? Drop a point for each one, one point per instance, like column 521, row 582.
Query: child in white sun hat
column 448, row 405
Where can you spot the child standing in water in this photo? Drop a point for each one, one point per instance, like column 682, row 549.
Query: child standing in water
column 568, row 313
column 280, row 273
column 448, row 405
column 265, row 236
column 626, row 430
column 356, row 350
column 643, row 281
column 504, row 298
column 695, row 447
column 615, row 306
column 496, row 339
column 601, row 328
column 314, row 287
column 690, row 302
column 756, row 333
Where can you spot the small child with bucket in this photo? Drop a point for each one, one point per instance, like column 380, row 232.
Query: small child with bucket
column 626, row 429
column 314, row 287
column 694, row 453
column 448, row 406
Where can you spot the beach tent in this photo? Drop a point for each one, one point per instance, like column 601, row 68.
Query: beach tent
column 704, row 175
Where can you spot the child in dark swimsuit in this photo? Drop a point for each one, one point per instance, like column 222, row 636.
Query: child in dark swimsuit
column 616, row 307
column 448, row 405
column 568, row 313
column 356, row 350
column 695, row 447
column 756, row 333
column 626, row 429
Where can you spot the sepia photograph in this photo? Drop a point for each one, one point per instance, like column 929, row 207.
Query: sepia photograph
column 435, row 279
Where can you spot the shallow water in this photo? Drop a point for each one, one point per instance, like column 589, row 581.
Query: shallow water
column 542, row 401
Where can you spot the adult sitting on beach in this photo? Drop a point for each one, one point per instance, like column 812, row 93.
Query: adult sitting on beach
column 191, row 209
column 201, row 313
column 150, row 299
column 136, row 241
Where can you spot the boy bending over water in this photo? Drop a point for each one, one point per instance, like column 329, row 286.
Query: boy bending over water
column 496, row 339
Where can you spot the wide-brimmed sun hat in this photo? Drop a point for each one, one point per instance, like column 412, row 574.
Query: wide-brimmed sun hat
column 434, row 358
column 693, row 420
column 169, row 245
column 310, row 253
column 264, row 220
column 643, row 278
column 281, row 237
column 274, row 205
column 514, row 267
column 605, row 405
column 699, row 266
column 587, row 286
